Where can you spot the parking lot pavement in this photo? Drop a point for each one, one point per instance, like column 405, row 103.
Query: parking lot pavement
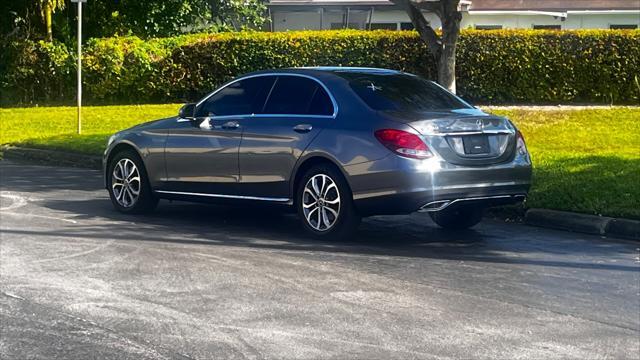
column 79, row 280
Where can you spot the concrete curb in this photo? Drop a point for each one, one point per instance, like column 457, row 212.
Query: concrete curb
column 590, row 224
column 52, row 157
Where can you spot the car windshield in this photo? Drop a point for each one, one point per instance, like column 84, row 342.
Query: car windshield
column 401, row 92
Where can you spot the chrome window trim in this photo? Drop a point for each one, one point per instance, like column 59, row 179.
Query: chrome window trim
column 480, row 132
column 326, row 89
column 224, row 196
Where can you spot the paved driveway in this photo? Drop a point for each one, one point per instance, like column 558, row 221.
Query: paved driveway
column 79, row 280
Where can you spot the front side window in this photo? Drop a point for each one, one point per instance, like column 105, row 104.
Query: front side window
column 402, row 92
column 295, row 95
column 242, row 97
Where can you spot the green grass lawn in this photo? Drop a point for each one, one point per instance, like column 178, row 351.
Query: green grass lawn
column 584, row 160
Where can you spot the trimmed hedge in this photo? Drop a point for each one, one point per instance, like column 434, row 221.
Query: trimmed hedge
column 504, row 66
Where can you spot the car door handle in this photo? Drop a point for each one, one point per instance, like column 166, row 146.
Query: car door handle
column 302, row 128
column 230, row 125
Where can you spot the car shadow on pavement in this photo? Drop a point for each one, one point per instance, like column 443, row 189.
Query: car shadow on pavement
column 268, row 228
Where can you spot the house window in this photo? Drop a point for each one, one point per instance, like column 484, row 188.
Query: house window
column 623, row 27
column 350, row 25
column 546, row 27
column 488, row 27
column 406, row 26
column 384, row 26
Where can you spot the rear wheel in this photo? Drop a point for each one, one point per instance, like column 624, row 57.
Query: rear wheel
column 458, row 216
column 325, row 204
column 128, row 184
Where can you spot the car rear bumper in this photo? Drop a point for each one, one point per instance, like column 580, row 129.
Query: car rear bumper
column 396, row 185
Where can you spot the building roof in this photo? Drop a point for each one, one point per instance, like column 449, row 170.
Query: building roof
column 493, row 5
column 330, row 2
column 554, row 5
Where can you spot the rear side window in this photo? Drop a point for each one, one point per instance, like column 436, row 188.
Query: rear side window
column 402, row 92
column 243, row 97
column 297, row 95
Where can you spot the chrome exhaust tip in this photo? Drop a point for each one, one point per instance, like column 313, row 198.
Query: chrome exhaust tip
column 442, row 204
column 435, row 206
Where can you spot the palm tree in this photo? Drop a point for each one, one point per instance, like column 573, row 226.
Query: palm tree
column 47, row 8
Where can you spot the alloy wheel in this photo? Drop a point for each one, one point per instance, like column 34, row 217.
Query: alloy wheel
column 321, row 202
column 126, row 183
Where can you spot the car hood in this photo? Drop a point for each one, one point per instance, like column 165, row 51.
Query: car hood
column 154, row 124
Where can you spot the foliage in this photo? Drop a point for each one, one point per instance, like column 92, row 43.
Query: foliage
column 238, row 14
column 36, row 70
column 492, row 66
column 146, row 19
column 149, row 18
column 573, row 169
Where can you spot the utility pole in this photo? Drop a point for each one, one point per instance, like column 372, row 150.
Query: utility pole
column 79, row 63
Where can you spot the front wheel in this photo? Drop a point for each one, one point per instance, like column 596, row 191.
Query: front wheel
column 128, row 184
column 458, row 216
column 325, row 205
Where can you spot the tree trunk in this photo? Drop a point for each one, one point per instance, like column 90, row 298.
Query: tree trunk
column 47, row 21
column 446, row 60
column 442, row 48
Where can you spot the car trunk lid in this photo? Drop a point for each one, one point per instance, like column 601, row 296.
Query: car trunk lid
column 466, row 136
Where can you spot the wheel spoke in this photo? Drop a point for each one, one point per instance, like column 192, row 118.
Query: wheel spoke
column 319, row 219
column 325, row 218
column 333, row 212
column 309, row 214
column 306, row 206
column 117, row 172
column 133, row 174
column 334, row 201
column 326, row 191
column 133, row 191
column 119, row 194
column 314, row 183
column 310, row 192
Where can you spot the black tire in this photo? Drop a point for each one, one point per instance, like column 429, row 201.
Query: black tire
column 347, row 221
column 146, row 201
column 458, row 217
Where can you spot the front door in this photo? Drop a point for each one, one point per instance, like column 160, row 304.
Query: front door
column 297, row 109
column 202, row 155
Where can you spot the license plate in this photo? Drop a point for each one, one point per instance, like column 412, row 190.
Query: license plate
column 475, row 144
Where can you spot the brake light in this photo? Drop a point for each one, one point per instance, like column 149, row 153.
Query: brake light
column 403, row 143
column 521, row 146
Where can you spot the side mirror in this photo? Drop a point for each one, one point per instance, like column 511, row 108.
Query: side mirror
column 187, row 111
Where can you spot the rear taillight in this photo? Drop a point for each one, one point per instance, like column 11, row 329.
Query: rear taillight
column 403, row 143
column 521, row 146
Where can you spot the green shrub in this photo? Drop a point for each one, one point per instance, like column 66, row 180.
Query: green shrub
column 504, row 66
column 32, row 72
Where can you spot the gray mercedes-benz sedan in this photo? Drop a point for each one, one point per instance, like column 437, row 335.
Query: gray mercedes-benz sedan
column 333, row 143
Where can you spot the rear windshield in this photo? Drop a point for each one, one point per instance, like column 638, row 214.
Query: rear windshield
column 402, row 92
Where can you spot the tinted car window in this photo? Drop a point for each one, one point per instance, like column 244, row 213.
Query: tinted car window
column 401, row 92
column 240, row 98
column 298, row 95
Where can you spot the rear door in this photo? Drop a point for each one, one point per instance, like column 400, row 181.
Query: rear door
column 202, row 155
column 297, row 109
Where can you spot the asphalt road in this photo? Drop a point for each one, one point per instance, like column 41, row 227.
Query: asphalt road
column 80, row 281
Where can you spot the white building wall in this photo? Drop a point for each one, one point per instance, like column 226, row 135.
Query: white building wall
column 310, row 20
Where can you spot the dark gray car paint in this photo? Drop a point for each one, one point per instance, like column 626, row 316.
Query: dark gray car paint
column 262, row 157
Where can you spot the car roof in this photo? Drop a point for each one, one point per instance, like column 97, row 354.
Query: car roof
column 330, row 70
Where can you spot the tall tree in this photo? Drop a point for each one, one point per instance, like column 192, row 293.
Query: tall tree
column 442, row 47
column 47, row 8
